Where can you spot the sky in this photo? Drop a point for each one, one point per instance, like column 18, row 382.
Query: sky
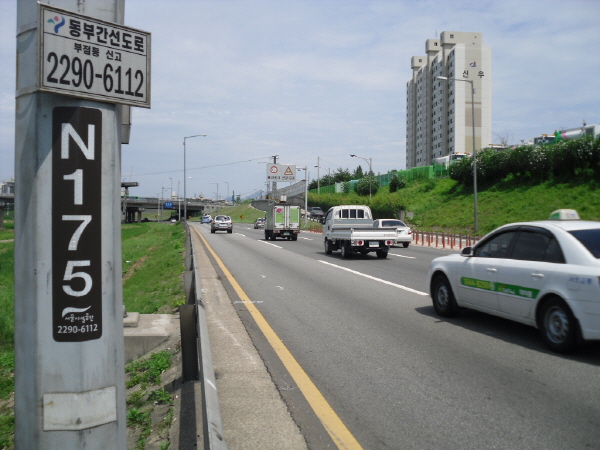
column 313, row 81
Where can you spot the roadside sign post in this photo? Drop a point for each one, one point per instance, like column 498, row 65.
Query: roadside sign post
column 69, row 359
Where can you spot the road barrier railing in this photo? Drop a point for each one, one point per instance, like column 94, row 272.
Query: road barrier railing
column 196, row 356
column 443, row 240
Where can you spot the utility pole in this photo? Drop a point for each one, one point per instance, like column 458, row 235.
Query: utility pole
column 69, row 358
column 274, row 183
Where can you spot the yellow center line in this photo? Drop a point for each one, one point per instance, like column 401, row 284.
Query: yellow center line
column 341, row 436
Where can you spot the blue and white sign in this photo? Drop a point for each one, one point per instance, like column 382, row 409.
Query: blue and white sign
column 88, row 58
column 168, row 205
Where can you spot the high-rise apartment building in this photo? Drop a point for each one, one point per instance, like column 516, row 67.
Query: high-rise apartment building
column 438, row 112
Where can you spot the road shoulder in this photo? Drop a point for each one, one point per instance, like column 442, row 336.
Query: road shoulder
column 252, row 411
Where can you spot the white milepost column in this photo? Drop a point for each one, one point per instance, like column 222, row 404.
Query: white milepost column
column 69, row 361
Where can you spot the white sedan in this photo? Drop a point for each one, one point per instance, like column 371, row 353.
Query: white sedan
column 404, row 233
column 545, row 274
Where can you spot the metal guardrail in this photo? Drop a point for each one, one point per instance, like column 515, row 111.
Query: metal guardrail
column 444, row 240
column 196, row 356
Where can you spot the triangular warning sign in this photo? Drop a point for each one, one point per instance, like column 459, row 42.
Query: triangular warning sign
column 288, row 171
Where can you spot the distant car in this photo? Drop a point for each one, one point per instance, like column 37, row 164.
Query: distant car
column 221, row 223
column 206, row 218
column 404, row 236
column 259, row 223
column 545, row 274
column 316, row 213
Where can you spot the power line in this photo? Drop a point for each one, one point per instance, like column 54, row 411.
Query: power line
column 199, row 168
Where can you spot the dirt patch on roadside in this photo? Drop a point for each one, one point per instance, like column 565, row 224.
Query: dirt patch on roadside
column 139, row 263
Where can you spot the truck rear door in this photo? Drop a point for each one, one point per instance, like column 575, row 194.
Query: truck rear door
column 294, row 217
column 280, row 220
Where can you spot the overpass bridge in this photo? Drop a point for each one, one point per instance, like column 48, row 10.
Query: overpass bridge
column 135, row 206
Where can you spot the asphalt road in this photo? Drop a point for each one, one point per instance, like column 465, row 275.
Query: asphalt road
column 398, row 376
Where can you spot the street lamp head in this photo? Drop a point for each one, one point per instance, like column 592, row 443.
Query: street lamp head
column 353, row 156
column 442, row 78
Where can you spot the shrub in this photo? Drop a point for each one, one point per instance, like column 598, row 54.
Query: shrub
column 366, row 185
column 394, row 183
column 462, row 171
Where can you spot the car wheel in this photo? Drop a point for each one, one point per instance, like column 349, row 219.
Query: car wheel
column 266, row 235
column 346, row 251
column 444, row 302
column 382, row 254
column 327, row 245
column 295, row 237
column 558, row 326
column 405, row 244
column 230, row 231
column 212, row 231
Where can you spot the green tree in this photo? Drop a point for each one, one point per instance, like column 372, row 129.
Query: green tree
column 367, row 185
column 341, row 175
column 394, row 183
column 358, row 173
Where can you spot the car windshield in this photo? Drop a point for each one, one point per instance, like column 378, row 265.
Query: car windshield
column 590, row 239
column 222, row 218
column 392, row 223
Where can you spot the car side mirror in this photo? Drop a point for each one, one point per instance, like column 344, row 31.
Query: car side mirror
column 467, row 251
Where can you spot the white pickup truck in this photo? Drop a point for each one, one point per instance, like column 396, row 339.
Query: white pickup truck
column 349, row 228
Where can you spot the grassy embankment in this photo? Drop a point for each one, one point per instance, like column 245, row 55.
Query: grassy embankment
column 443, row 205
column 152, row 283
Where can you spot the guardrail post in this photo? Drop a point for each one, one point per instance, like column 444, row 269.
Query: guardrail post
column 189, row 346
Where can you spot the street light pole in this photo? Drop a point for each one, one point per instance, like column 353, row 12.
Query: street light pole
column 328, row 175
column 227, row 198
column 475, row 225
column 178, row 201
column 370, row 162
column 305, row 193
column 318, row 175
column 162, row 201
column 210, row 182
column 184, row 174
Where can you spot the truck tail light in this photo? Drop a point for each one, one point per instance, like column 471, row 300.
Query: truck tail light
column 388, row 243
column 357, row 243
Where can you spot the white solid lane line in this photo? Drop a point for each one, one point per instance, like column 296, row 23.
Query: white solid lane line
column 399, row 286
column 268, row 243
column 402, row 256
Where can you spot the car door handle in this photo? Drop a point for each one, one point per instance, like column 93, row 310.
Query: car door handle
column 537, row 275
column 492, row 269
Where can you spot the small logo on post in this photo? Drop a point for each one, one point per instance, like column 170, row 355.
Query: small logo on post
column 58, row 22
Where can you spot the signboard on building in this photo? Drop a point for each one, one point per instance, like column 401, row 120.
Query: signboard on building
column 281, row 172
column 89, row 58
